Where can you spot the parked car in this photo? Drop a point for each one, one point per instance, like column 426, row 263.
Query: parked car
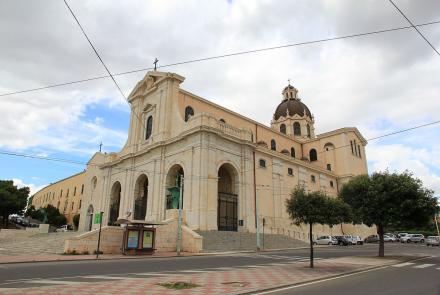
column 388, row 238
column 357, row 240
column 325, row 240
column 372, row 239
column 413, row 238
column 64, row 228
column 343, row 241
column 432, row 241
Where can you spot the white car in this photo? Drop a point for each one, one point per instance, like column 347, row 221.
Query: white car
column 414, row 238
column 325, row 240
column 358, row 240
column 387, row 238
column 351, row 239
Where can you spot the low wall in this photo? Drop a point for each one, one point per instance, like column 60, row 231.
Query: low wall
column 112, row 236
column 41, row 229
column 111, row 241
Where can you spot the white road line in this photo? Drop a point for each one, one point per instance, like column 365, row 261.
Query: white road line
column 107, row 277
column 403, row 264
column 424, row 265
column 249, row 266
column 153, row 274
column 223, row 268
column 53, row 282
column 195, row 271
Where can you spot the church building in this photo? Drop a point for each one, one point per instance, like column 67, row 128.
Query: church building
column 231, row 169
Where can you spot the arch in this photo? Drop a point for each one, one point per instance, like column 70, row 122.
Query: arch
column 140, row 197
column 309, row 134
column 227, row 193
column 94, row 182
column 283, row 128
column 273, row 145
column 174, row 180
column 313, row 155
column 296, row 128
column 115, row 200
column 285, row 152
column 329, row 146
column 89, row 218
column 149, row 127
column 222, row 120
column 189, row 112
column 262, row 143
column 292, row 152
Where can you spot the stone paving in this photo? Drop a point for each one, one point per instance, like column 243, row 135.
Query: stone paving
column 237, row 280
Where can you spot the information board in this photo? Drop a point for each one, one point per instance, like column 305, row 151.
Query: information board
column 147, row 240
column 133, row 239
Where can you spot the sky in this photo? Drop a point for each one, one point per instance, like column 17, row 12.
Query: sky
column 378, row 83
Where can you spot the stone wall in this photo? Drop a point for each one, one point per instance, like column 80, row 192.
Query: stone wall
column 111, row 241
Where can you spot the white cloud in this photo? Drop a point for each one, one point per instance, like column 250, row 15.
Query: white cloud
column 33, row 188
column 397, row 157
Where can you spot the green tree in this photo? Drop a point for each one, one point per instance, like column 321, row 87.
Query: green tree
column 316, row 208
column 12, row 199
column 33, row 213
column 389, row 200
column 54, row 216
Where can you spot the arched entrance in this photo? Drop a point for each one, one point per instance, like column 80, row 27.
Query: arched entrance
column 115, row 199
column 89, row 218
column 174, row 179
column 227, row 211
column 140, row 197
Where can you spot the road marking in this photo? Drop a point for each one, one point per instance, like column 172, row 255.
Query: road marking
column 320, row 281
column 195, row 271
column 53, row 282
column 249, row 266
column 424, row 265
column 403, row 264
column 107, row 277
column 153, row 274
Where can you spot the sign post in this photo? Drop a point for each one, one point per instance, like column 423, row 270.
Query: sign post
column 98, row 219
column 179, row 221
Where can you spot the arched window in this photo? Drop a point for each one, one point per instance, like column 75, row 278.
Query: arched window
column 283, row 129
column 292, row 152
column 149, row 127
column 189, row 112
column 222, row 120
column 273, row 145
column 313, row 155
column 296, row 128
column 308, row 131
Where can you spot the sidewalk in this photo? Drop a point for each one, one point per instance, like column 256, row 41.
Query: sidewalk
column 233, row 281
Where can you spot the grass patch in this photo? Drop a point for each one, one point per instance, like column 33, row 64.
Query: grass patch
column 178, row 285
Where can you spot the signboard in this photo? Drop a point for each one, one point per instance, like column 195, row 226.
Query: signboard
column 147, row 241
column 133, row 239
column 97, row 218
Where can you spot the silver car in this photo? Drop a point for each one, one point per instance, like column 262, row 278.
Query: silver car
column 413, row 238
column 432, row 241
column 325, row 240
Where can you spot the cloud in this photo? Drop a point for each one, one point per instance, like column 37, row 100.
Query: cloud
column 379, row 83
column 33, row 188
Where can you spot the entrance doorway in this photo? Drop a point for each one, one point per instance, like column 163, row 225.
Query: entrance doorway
column 115, row 199
column 227, row 213
column 141, row 198
column 89, row 218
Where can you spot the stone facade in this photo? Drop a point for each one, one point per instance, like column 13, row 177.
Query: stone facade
column 66, row 195
column 230, row 165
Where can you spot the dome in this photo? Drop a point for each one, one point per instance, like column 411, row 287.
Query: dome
column 294, row 106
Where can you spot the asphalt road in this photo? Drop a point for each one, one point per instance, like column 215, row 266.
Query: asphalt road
column 421, row 277
column 13, row 275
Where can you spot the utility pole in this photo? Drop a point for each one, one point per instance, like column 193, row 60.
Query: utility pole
column 258, row 224
column 179, row 220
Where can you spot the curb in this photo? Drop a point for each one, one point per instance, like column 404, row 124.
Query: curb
column 364, row 269
column 149, row 257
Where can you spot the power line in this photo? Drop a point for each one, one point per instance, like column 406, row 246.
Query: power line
column 222, row 56
column 415, row 28
column 64, row 160
column 102, row 62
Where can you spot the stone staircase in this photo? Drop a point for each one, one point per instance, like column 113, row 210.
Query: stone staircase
column 214, row 241
column 21, row 242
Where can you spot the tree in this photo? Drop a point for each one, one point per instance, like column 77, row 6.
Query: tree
column 33, row 213
column 316, row 208
column 389, row 200
column 54, row 216
column 12, row 199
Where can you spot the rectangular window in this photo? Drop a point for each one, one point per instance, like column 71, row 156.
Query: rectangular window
column 61, row 194
column 290, row 171
column 329, row 167
column 359, row 149
column 262, row 163
column 72, row 206
column 351, row 143
column 331, row 183
column 82, row 189
column 79, row 206
column 312, row 178
column 67, row 195
column 74, row 191
column 355, row 149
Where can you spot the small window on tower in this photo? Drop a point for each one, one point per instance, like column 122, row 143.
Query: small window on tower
column 329, row 167
column 331, row 183
column 273, row 145
column 312, row 178
column 290, row 171
column 149, row 128
column 262, row 163
column 283, row 128
column 189, row 112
